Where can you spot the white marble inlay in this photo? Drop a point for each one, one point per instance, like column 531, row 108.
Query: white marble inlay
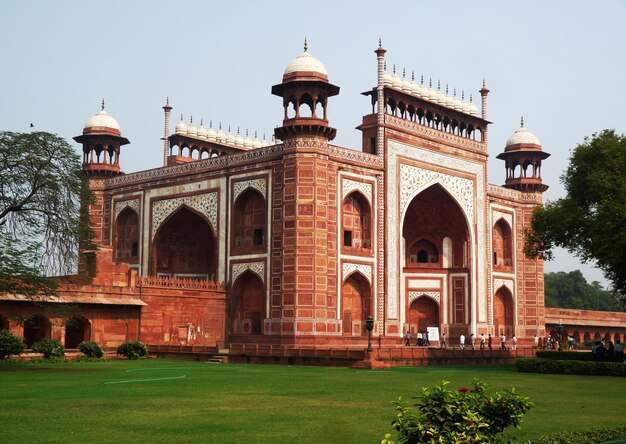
column 348, row 186
column 508, row 217
column 120, row 206
column 416, row 294
column 259, row 184
column 257, row 268
column 203, row 203
column 349, row 267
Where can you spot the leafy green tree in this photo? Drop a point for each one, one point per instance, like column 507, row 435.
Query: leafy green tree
column 571, row 290
column 590, row 221
column 41, row 219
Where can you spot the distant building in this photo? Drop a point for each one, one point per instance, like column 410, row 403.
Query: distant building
column 236, row 241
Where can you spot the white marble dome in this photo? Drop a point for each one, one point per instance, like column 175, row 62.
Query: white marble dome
column 305, row 62
column 181, row 128
column 522, row 135
column 102, row 120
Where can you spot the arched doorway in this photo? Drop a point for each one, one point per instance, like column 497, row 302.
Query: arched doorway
column 127, row 236
column 36, row 328
column 184, row 246
column 247, row 306
column 423, row 313
column 77, row 330
column 249, row 223
column 503, row 319
column 4, row 323
column 502, row 246
column 356, row 222
column 355, row 305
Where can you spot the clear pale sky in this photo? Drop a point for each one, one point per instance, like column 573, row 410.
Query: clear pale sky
column 560, row 64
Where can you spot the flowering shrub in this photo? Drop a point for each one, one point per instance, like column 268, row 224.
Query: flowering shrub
column 441, row 415
column 133, row 349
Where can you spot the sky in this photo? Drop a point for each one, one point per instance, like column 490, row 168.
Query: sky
column 560, row 64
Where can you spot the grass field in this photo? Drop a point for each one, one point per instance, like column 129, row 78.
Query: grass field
column 167, row 401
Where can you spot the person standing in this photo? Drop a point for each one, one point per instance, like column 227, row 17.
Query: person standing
column 536, row 341
column 482, row 341
column 407, row 338
column 490, row 342
column 443, row 341
column 514, row 340
column 503, row 342
column 473, row 341
column 426, row 340
column 462, row 341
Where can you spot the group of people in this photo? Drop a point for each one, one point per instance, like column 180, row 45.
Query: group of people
column 421, row 338
column 614, row 352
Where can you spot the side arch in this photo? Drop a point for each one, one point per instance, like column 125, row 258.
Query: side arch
column 355, row 304
column 247, row 304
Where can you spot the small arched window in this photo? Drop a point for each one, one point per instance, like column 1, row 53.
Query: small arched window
column 356, row 222
column 127, row 236
column 502, row 245
column 249, row 222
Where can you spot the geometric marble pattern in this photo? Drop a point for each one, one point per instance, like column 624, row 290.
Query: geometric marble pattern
column 203, row 203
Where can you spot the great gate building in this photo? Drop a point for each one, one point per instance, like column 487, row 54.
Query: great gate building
column 295, row 243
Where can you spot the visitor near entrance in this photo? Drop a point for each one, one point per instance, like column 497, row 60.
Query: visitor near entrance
column 462, row 341
column 482, row 341
column 443, row 341
column 490, row 342
column 514, row 341
column 473, row 341
column 407, row 338
column 503, row 342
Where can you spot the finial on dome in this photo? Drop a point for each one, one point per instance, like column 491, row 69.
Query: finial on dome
column 102, row 109
column 255, row 136
column 483, row 82
column 446, row 89
column 385, row 66
column 263, row 136
column 462, row 95
column 380, row 42
column 422, row 79
column 167, row 100
column 430, row 82
column 220, row 125
column 211, row 123
column 471, row 98
column 306, row 46
column 403, row 73
column 394, row 68
column 191, row 119
column 455, row 93
column 522, row 122
column 438, row 85
column 201, row 121
column 246, row 132
column 229, row 128
column 412, row 76
column 237, row 130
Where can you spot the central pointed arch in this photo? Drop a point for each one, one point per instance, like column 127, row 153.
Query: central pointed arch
column 184, row 246
column 423, row 313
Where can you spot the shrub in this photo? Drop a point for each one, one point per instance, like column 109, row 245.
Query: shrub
column 10, row 344
column 91, row 349
column 50, row 348
column 571, row 367
column 132, row 349
column 464, row 416
column 566, row 355
column 587, row 435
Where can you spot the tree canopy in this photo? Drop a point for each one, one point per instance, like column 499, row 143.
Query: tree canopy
column 590, row 221
column 571, row 290
column 41, row 187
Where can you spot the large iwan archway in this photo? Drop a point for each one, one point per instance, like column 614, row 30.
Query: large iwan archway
column 184, row 246
column 247, row 305
column 355, row 305
column 423, row 313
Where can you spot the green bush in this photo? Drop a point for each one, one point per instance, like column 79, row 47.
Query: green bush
column 571, row 367
column 466, row 415
column 50, row 348
column 91, row 349
column 133, row 349
column 565, row 355
column 10, row 344
column 590, row 436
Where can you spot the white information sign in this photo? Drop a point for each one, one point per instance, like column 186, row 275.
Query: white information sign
column 433, row 334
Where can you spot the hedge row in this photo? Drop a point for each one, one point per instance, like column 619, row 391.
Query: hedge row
column 571, row 367
column 590, row 436
column 573, row 356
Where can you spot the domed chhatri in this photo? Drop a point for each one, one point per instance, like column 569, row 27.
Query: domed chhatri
column 101, row 140
column 305, row 65
column 102, row 122
column 522, row 135
column 523, row 156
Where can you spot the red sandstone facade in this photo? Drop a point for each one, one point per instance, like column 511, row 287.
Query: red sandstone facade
column 243, row 244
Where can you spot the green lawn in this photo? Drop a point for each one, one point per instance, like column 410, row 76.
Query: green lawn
column 167, row 401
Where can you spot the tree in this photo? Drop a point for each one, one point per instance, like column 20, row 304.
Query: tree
column 571, row 290
column 41, row 219
column 590, row 221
